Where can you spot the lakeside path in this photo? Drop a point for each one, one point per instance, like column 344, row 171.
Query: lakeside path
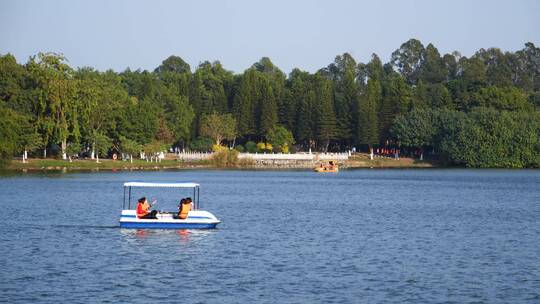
column 356, row 161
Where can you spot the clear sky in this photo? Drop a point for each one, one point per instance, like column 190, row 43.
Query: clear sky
column 305, row 34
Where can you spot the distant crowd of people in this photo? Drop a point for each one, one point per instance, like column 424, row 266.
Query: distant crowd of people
column 394, row 152
column 387, row 152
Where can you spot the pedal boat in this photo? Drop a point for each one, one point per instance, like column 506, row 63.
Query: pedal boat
column 331, row 167
column 196, row 219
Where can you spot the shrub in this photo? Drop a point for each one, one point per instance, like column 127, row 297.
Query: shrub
column 292, row 149
column 201, row 144
column 280, row 137
column 239, row 148
column 261, row 147
column 246, row 162
column 251, row 147
column 224, row 158
column 217, row 148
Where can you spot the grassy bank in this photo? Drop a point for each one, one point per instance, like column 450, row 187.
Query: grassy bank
column 355, row 161
column 104, row 164
column 362, row 160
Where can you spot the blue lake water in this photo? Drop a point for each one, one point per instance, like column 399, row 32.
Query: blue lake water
column 360, row 236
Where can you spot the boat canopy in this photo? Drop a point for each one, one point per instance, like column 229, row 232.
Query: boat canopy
column 161, row 185
column 128, row 185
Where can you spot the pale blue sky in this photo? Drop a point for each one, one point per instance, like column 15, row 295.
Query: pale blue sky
column 305, row 34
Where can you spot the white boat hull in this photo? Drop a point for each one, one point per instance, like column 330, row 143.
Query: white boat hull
column 197, row 219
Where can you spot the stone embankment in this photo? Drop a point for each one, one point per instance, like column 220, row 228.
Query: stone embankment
column 275, row 160
column 246, row 161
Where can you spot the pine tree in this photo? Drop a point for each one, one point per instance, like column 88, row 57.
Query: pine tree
column 433, row 68
column 304, row 119
column 367, row 114
column 326, row 118
column 395, row 101
column 268, row 108
column 244, row 104
column 195, row 99
column 420, row 98
column 343, row 72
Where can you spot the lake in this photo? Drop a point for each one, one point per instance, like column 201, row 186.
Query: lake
column 360, row 236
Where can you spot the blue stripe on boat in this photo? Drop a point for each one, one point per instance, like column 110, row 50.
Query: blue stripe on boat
column 157, row 225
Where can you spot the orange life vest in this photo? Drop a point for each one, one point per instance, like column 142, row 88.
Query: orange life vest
column 142, row 209
column 184, row 209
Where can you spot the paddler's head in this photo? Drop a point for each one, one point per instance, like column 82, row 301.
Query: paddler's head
column 142, row 200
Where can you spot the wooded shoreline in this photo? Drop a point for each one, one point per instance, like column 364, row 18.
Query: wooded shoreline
column 357, row 161
column 481, row 111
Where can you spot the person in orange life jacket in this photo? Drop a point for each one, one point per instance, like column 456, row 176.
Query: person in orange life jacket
column 177, row 215
column 143, row 210
column 184, row 208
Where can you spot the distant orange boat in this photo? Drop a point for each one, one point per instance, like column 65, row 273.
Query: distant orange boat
column 331, row 167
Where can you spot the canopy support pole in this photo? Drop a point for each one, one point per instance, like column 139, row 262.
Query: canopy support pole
column 198, row 198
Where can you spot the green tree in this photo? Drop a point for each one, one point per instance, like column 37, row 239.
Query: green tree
column 245, row 103
column 326, row 124
column 129, row 147
column 29, row 139
column 173, row 64
column 343, row 73
column 9, row 132
column 368, row 132
column 202, row 144
column 276, row 79
column 179, row 115
column 498, row 69
column 73, row 149
column 525, row 66
column 12, row 90
column 396, row 99
column 219, row 127
column 304, row 119
column 163, row 134
column 101, row 144
column 281, row 138
column 408, row 59
column 268, row 109
column 432, row 68
column 509, row 98
column 153, row 149
column 414, row 130
column 439, row 97
column 54, row 103
column 102, row 102
column 420, row 96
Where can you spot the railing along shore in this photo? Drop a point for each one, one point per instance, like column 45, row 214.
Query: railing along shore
column 191, row 156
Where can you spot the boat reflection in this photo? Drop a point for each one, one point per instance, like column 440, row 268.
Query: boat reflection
column 182, row 235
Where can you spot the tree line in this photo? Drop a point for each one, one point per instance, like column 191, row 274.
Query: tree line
column 476, row 111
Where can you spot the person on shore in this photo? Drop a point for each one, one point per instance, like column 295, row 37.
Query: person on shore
column 143, row 210
column 184, row 208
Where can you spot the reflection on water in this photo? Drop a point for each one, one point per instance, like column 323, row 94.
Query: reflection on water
column 393, row 236
column 166, row 235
